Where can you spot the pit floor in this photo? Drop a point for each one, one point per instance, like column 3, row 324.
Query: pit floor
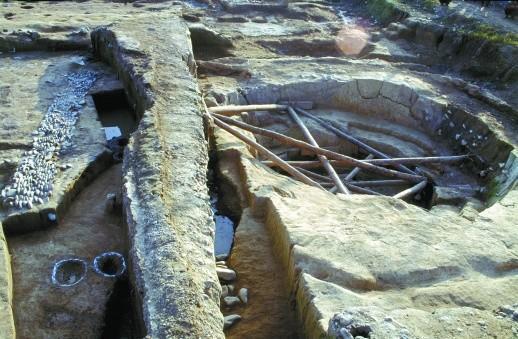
column 43, row 310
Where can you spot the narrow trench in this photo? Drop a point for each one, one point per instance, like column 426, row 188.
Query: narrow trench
column 243, row 244
column 70, row 280
column 118, row 121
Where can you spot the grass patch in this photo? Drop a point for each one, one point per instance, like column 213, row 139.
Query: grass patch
column 386, row 10
column 489, row 33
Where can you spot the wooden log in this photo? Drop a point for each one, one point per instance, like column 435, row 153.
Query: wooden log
column 356, row 170
column 304, row 104
column 412, row 190
column 352, row 139
column 314, row 175
column 317, row 150
column 261, row 149
column 330, row 170
column 376, row 183
column 353, row 173
column 418, row 160
column 308, row 164
column 328, row 182
column 384, row 162
column 233, row 110
column 361, row 190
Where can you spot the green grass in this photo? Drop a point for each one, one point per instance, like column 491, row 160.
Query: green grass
column 389, row 10
column 489, row 33
column 384, row 10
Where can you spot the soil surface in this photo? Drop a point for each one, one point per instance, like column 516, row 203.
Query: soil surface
column 88, row 229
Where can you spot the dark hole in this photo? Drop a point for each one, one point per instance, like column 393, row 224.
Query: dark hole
column 204, row 48
column 361, row 330
column 27, row 7
column 109, row 266
column 120, row 313
column 114, row 110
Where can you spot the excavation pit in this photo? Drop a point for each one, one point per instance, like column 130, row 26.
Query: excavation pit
column 378, row 254
column 110, row 264
column 393, row 119
column 69, row 272
column 115, row 113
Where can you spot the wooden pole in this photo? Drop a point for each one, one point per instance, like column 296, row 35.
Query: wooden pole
column 313, row 175
column 317, row 150
column 353, row 140
column 412, row 190
column 375, row 183
column 288, row 168
column 309, row 164
column 356, row 170
column 418, row 160
column 233, row 110
column 353, row 173
column 361, row 190
column 383, row 162
column 350, row 185
column 330, row 170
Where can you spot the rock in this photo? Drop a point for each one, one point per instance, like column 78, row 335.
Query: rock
column 232, row 18
column 452, row 195
column 201, row 35
column 231, row 320
column 221, row 257
column 230, row 288
column 231, row 301
column 243, row 295
column 190, row 17
column 224, row 291
column 226, row 274
column 210, row 101
column 110, row 201
column 259, row 19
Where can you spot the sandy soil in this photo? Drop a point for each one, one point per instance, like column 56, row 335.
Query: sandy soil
column 43, row 310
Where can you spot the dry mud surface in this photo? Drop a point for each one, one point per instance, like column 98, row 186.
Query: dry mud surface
column 408, row 78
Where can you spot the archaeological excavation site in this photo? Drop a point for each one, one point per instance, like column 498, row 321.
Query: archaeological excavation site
column 259, row 169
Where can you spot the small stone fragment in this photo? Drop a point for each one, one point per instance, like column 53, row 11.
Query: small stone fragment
column 231, row 301
column 226, row 273
column 224, row 291
column 243, row 295
column 231, row 320
column 221, row 257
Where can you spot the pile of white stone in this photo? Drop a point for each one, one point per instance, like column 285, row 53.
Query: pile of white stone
column 32, row 182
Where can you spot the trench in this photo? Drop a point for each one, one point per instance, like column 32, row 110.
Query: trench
column 70, row 278
column 246, row 248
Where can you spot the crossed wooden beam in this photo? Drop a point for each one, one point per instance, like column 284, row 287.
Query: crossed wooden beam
column 326, row 158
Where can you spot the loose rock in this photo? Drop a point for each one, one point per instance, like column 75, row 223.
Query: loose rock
column 231, row 301
column 224, row 291
column 231, row 320
column 226, row 274
column 243, row 295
